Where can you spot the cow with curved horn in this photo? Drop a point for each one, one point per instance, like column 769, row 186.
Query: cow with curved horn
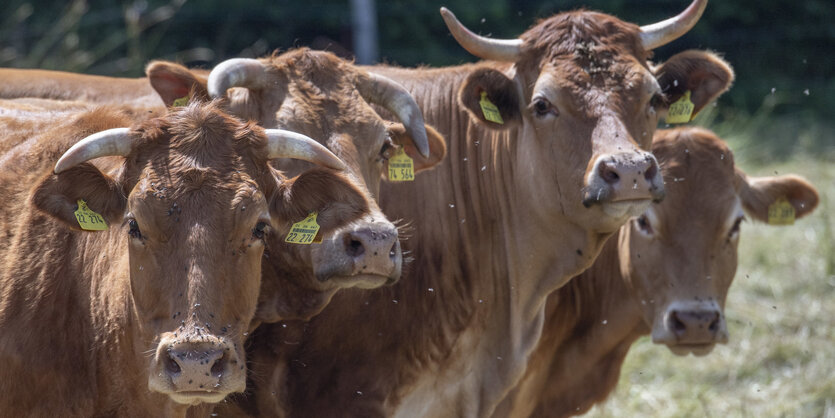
column 548, row 155
column 318, row 94
column 132, row 260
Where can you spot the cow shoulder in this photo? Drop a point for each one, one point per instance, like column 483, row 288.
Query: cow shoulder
column 703, row 73
column 758, row 193
column 173, row 81
column 499, row 90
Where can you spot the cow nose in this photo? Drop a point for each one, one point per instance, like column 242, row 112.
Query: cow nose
column 619, row 177
column 373, row 247
column 192, row 370
column 196, row 367
column 697, row 326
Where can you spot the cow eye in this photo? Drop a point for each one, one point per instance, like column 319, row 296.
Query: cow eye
column 260, row 230
column 734, row 232
column 387, row 150
column 643, row 224
column 134, row 229
column 542, row 107
column 658, row 101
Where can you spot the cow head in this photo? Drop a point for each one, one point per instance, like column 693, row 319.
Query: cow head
column 192, row 205
column 583, row 102
column 318, row 94
column 680, row 256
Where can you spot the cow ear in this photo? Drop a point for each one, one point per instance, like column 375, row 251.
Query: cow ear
column 499, row 90
column 174, row 81
column 702, row 73
column 437, row 147
column 58, row 195
column 336, row 198
column 758, row 193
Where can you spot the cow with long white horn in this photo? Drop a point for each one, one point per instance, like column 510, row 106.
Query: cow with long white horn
column 548, row 155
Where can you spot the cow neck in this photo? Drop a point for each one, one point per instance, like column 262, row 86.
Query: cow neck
column 476, row 237
column 590, row 324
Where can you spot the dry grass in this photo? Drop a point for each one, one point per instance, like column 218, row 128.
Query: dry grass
column 780, row 361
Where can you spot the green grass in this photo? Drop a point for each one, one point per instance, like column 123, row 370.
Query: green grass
column 780, row 361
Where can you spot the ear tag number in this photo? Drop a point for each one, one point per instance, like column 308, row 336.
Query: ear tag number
column 491, row 112
column 182, row 101
column 305, row 231
column 682, row 110
column 87, row 219
column 401, row 167
column 781, row 212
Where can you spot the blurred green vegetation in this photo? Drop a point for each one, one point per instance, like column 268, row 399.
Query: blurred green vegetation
column 782, row 50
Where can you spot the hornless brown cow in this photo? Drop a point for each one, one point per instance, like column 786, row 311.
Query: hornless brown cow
column 61, row 85
column 667, row 275
column 517, row 209
column 149, row 316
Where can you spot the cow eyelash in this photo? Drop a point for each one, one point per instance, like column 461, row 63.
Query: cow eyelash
column 735, row 228
column 542, row 107
column 658, row 100
column 260, row 230
column 133, row 230
column 387, row 150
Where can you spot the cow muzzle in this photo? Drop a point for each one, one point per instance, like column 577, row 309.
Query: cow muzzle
column 691, row 327
column 365, row 255
column 624, row 184
column 202, row 369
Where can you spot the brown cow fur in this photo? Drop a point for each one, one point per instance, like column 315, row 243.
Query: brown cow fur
column 504, row 227
column 592, row 322
column 81, row 313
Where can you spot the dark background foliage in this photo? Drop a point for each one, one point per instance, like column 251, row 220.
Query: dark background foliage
column 782, row 50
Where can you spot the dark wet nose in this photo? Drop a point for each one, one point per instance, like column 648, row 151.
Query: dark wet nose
column 198, row 366
column 623, row 177
column 700, row 326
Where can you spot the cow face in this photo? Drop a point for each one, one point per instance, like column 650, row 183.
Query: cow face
column 680, row 256
column 192, row 205
column 584, row 104
column 319, row 95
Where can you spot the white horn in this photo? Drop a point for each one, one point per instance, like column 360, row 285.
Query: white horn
column 666, row 31
column 396, row 99
column 507, row 50
column 236, row 72
column 115, row 141
column 288, row 144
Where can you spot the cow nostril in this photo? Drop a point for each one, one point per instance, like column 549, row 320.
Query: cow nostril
column 171, row 365
column 651, row 171
column 354, row 248
column 393, row 251
column 218, row 366
column 677, row 325
column 608, row 173
column 714, row 325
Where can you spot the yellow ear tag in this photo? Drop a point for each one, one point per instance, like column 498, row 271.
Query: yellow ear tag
column 491, row 112
column 682, row 110
column 304, row 231
column 182, row 101
column 401, row 167
column 87, row 219
column 781, row 212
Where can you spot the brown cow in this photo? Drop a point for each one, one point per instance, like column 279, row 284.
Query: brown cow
column 149, row 316
column 517, row 209
column 306, row 91
column 60, row 85
column 318, row 94
column 666, row 275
